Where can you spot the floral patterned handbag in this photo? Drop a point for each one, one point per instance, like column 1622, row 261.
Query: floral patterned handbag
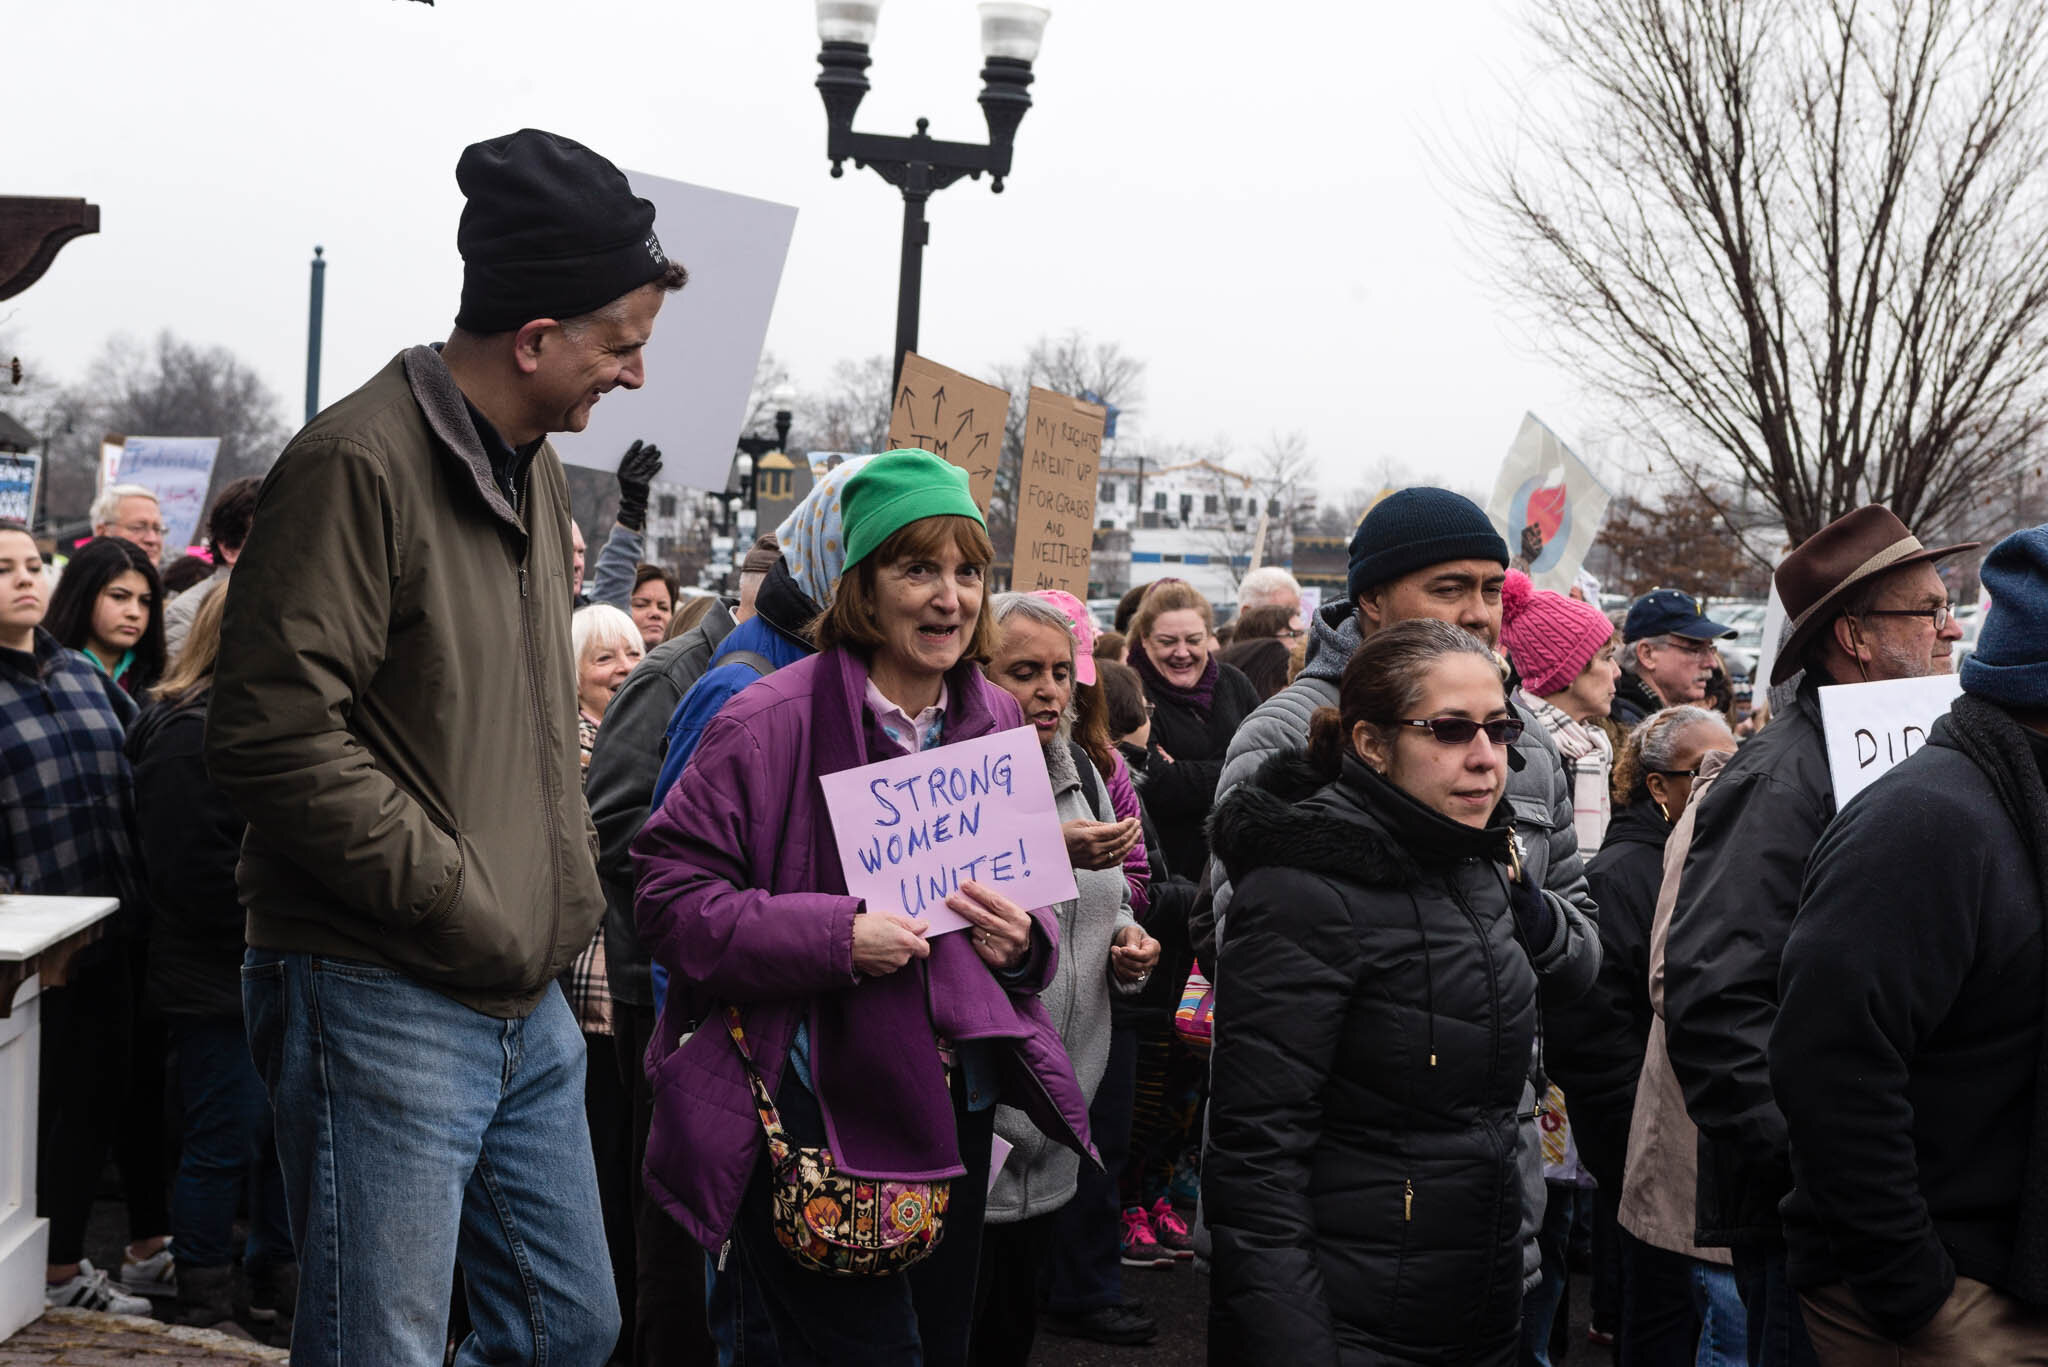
column 831, row 1223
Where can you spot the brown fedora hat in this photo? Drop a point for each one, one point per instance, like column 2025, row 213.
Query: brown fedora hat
column 1853, row 548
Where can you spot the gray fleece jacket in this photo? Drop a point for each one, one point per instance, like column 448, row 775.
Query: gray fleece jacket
column 1542, row 802
column 1040, row 1174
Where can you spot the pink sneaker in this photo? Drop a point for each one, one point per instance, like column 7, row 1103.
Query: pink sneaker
column 1141, row 1246
column 1170, row 1230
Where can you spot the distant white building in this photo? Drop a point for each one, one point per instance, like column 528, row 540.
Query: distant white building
column 1195, row 520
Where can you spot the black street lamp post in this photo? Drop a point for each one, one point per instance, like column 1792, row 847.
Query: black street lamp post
column 919, row 164
column 745, row 498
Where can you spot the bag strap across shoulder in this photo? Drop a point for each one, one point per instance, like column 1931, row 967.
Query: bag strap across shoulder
column 764, row 1105
column 1091, row 780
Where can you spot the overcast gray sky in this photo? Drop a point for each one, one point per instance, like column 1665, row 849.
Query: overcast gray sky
column 1247, row 197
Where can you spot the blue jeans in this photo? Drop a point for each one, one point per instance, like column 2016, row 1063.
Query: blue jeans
column 412, row 1132
column 1561, row 1206
column 227, row 1149
column 1777, row 1328
column 1677, row 1311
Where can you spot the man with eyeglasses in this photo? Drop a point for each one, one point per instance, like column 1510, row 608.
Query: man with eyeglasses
column 1906, row 1051
column 1430, row 553
column 1667, row 655
column 1865, row 603
column 132, row 513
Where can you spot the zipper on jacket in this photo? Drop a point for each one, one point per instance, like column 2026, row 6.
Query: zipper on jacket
column 540, row 748
column 1492, row 969
column 1407, row 1199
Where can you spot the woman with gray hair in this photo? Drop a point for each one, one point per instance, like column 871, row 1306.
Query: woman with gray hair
column 1594, row 1047
column 1102, row 948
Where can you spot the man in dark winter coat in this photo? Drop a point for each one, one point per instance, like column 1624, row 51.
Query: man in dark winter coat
column 1865, row 603
column 1907, row 1050
column 1432, row 553
column 1667, row 654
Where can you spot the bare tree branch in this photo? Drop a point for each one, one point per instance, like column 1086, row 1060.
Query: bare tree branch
column 1804, row 244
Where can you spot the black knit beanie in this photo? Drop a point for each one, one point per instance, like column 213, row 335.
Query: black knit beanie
column 1413, row 529
column 550, row 230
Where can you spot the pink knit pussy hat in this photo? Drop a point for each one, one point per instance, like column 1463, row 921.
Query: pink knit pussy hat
column 1551, row 638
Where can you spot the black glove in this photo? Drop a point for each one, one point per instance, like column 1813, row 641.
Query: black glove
column 637, row 469
column 1535, row 918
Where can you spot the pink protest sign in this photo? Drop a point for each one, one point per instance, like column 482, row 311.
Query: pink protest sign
column 911, row 830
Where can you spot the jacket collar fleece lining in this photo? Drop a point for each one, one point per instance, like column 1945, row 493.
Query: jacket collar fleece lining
column 440, row 401
column 1274, row 821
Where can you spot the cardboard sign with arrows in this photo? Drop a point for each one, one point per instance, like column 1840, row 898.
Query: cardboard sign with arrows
column 951, row 415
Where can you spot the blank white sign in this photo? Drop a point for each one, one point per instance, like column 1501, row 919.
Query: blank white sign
column 707, row 339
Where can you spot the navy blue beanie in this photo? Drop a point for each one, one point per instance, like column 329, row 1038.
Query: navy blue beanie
column 1412, row 529
column 2010, row 666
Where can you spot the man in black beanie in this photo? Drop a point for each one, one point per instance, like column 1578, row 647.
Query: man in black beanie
column 1430, row 553
column 394, row 716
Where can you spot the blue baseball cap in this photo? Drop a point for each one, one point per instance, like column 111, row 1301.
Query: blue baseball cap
column 1670, row 612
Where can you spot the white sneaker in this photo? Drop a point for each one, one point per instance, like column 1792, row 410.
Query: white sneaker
column 89, row 1289
column 155, row 1276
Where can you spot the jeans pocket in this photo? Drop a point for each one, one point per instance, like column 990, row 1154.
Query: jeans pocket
column 263, row 1013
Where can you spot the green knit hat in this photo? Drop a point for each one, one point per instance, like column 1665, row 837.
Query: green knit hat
column 896, row 489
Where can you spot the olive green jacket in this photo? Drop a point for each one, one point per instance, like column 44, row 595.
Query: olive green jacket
column 394, row 711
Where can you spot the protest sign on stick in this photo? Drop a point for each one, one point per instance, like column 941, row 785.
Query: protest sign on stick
column 177, row 470
column 707, row 339
column 951, row 415
column 1870, row 727
column 1548, row 506
column 19, row 475
column 1056, row 493
column 912, row 829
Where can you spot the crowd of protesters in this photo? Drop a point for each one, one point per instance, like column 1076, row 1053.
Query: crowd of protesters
column 487, row 944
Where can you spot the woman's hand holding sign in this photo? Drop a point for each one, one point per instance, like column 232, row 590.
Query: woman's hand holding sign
column 883, row 943
column 1001, row 929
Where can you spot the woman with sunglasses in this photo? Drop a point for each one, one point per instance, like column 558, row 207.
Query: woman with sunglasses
column 1376, row 1008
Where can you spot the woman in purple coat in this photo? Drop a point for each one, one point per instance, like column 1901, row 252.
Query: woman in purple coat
column 886, row 1044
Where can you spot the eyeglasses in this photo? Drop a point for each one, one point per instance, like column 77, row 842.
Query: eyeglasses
column 1149, row 709
column 1677, row 773
column 1460, row 730
column 1688, row 645
column 1940, row 615
column 145, row 528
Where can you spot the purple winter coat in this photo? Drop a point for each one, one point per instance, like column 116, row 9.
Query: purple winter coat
column 741, row 898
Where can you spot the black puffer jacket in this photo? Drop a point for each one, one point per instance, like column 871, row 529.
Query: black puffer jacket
column 191, row 841
column 1180, row 794
column 1593, row 1047
column 1374, row 1021
column 1754, row 831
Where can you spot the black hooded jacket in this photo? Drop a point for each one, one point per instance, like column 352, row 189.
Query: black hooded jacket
column 1374, row 1020
column 191, row 840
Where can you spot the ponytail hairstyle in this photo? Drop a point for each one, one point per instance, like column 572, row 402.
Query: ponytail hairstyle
column 1653, row 748
column 1384, row 682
